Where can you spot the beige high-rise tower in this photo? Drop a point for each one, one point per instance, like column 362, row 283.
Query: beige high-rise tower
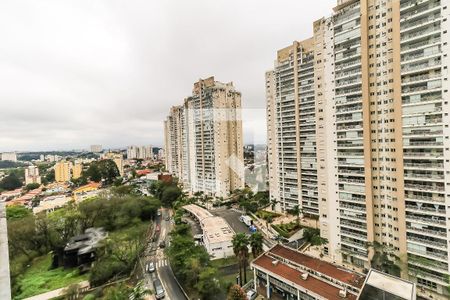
column 292, row 129
column 204, row 137
column 382, row 136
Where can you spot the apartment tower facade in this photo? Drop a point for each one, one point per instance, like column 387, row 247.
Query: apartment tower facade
column 209, row 142
column 380, row 85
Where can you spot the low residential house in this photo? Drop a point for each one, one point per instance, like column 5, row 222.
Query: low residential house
column 81, row 250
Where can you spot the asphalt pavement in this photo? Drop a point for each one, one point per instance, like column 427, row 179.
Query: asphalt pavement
column 157, row 256
column 232, row 218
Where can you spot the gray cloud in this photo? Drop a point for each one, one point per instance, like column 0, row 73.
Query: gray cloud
column 74, row 73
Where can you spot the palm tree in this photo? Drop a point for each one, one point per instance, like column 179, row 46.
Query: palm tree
column 240, row 249
column 256, row 243
column 295, row 211
column 273, row 203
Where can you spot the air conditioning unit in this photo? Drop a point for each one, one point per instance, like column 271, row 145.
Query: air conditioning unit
column 274, row 262
column 304, row 276
column 342, row 293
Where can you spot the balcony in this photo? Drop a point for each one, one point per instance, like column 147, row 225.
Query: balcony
column 425, row 209
column 427, row 231
column 353, row 234
column 427, row 241
column 357, row 217
column 428, row 220
column 409, row 25
column 423, row 143
column 427, row 42
column 354, row 181
column 421, row 66
column 429, row 177
column 353, row 207
column 424, row 198
column 423, row 187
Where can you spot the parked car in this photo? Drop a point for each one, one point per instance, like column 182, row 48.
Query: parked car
column 159, row 290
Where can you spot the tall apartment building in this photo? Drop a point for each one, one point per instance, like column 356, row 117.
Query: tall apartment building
column 77, row 169
column 272, row 154
column 204, row 143
column 32, row 175
column 63, row 171
column 173, row 141
column 10, row 156
column 292, row 128
column 96, row 148
column 380, row 83
column 139, row 152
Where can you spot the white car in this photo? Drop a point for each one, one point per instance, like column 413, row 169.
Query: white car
column 151, row 267
column 251, row 295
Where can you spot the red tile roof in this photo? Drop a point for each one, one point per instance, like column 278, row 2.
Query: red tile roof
column 318, row 265
column 292, row 275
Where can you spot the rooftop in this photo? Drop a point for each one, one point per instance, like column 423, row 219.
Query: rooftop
column 293, row 277
column 215, row 229
column 383, row 286
column 331, row 270
column 324, row 279
column 199, row 212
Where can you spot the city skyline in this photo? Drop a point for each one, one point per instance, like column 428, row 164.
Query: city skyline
column 112, row 77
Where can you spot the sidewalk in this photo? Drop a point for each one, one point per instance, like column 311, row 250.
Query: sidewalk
column 56, row 293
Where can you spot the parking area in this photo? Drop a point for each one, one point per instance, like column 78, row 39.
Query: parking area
column 232, row 218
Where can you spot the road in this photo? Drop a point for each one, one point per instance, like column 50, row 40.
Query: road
column 157, row 256
column 232, row 218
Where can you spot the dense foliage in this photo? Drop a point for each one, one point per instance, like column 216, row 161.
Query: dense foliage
column 7, row 164
column 168, row 193
column 105, row 170
column 123, row 216
column 236, row 293
column 10, row 182
column 191, row 264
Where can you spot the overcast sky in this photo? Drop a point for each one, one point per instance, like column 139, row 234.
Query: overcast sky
column 75, row 73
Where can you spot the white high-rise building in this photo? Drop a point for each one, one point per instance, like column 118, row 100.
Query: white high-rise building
column 9, row 156
column 32, row 175
column 204, row 146
column 140, row 152
column 380, row 135
column 96, row 148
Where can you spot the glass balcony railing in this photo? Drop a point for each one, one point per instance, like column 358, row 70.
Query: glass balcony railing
column 424, row 187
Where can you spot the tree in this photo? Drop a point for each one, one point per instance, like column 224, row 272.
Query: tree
column 32, row 186
column 105, row 169
column 312, row 236
column 384, row 259
column 139, row 292
column 50, row 177
column 273, row 203
column 10, row 182
column 240, row 249
column 208, row 285
column 295, row 211
column 17, row 212
column 236, row 293
column 256, row 243
column 169, row 195
column 117, row 292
